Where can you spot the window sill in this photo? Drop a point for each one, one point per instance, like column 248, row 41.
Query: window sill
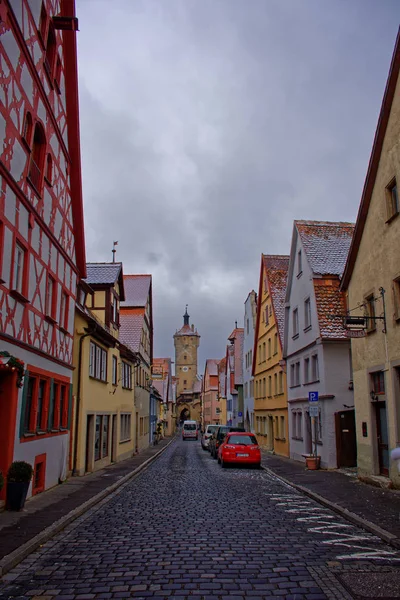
column 392, row 217
column 34, row 188
column 125, row 441
column 295, row 386
column 28, row 435
column 18, row 296
column 299, row 274
column 297, row 439
column 279, row 439
column 295, row 336
column 311, row 382
column 61, row 328
column 48, row 181
column 41, row 432
column 50, row 319
column 97, row 379
column 308, row 328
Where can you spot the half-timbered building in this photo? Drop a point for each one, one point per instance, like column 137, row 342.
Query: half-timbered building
column 42, row 251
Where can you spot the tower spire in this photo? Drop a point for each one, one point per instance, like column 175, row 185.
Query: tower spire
column 186, row 316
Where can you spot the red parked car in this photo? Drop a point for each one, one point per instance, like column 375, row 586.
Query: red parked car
column 240, row 448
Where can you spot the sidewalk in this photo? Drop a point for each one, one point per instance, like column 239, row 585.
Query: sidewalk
column 375, row 509
column 49, row 512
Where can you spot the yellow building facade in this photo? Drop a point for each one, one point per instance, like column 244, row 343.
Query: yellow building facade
column 270, row 389
column 372, row 282
column 103, row 424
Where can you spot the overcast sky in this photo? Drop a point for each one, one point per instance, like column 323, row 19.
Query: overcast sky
column 207, row 126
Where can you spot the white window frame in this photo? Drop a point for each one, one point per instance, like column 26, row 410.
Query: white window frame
column 307, row 314
column 114, row 370
column 295, row 317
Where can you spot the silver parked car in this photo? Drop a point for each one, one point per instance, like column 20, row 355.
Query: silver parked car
column 205, row 438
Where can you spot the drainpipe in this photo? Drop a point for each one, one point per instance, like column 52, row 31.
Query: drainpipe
column 78, row 397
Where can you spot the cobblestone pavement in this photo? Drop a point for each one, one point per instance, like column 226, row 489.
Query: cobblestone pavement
column 185, row 528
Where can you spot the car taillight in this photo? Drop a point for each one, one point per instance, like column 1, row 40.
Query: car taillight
column 229, row 447
column 255, row 448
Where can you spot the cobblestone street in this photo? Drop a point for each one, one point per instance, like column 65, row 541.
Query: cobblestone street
column 187, row 528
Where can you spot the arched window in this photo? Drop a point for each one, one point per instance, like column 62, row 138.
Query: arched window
column 49, row 169
column 36, row 164
column 27, row 131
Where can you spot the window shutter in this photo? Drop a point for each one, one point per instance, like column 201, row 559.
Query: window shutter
column 51, row 405
column 69, row 407
column 23, row 407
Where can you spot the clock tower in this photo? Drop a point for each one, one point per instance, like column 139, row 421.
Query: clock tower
column 186, row 342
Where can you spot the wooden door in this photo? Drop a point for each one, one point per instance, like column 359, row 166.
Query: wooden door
column 382, row 436
column 346, row 443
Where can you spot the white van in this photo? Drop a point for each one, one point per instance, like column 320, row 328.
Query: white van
column 189, row 430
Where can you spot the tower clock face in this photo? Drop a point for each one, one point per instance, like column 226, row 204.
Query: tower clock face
column 185, row 369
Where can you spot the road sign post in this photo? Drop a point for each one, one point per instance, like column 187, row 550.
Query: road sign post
column 313, row 410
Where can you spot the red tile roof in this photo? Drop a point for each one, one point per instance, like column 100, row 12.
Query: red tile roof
column 276, row 268
column 326, row 245
column 330, row 301
column 132, row 321
column 187, row 330
column 137, row 289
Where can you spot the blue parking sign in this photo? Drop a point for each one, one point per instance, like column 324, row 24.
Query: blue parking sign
column 313, row 396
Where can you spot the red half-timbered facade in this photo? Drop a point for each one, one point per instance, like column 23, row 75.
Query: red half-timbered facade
column 42, row 252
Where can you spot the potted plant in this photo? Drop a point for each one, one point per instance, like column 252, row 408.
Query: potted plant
column 18, row 478
column 313, row 462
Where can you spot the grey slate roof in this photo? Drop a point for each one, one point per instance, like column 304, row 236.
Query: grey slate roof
column 137, row 289
column 102, row 273
column 326, row 245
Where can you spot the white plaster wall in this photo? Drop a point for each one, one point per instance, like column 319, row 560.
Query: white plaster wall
column 248, row 344
column 56, row 448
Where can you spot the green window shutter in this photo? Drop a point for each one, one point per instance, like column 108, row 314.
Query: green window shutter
column 23, row 404
column 70, row 408
column 50, row 420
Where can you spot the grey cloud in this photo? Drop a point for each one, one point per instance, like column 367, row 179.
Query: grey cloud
column 209, row 125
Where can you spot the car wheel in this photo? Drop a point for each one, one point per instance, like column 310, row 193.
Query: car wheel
column 219, row 460
column 223, row 464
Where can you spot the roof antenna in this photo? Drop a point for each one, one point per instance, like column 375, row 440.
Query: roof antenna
column 114, row 251
column 235, row 324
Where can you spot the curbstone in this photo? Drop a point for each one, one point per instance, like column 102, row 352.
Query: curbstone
column 386, row 536
column 9, row 561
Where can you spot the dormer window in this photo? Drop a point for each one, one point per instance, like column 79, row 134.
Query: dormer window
column 114, row 310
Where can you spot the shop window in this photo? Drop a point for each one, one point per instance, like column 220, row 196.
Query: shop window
column 101, row 437
column 126, row 420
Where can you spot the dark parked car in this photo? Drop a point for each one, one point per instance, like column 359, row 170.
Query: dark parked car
column 218, row 437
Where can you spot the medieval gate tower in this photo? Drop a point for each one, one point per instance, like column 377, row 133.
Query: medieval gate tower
column 186, row 342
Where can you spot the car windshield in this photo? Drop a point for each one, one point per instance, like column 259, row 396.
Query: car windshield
column 211, row 428
column 222, row 432
column 190, row 426
column 242, row 440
